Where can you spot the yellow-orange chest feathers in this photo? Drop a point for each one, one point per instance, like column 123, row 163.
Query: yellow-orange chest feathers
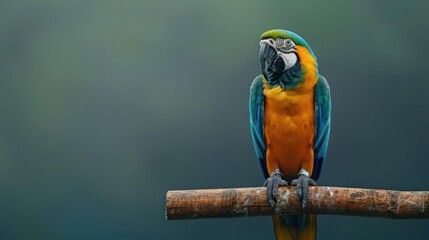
column 289, row 122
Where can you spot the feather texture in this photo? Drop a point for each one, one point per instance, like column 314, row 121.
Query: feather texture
column 290, row 119
column 322, row 99
column 256, row 109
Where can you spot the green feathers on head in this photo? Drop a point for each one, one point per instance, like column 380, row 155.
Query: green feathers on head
column 280, row 33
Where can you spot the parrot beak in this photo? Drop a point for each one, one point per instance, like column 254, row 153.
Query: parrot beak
column 263, row 52
column 271, row 63
column 266, row 56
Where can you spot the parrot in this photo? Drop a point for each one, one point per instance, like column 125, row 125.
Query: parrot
column 290, row 122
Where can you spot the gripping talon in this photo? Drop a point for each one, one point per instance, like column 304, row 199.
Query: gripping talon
column 302, row 183
column 272, row 183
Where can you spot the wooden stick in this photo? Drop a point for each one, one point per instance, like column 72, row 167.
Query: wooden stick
column 239, row 202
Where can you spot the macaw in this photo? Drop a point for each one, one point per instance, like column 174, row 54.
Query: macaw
column 290, row 119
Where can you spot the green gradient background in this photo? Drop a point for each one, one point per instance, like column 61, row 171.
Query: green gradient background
column 106, row 105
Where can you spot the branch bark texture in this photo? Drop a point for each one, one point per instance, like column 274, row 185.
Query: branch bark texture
column 240, row 202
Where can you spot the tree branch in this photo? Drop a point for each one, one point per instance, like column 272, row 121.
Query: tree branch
column 239, row 202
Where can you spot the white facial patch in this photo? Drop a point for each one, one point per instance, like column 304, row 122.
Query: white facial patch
column 289, row 59
column 285, row 49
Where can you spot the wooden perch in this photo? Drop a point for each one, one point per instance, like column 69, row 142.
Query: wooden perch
column 239, row 202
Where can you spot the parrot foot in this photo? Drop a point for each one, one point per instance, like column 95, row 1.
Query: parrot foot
column 302, row 183
column 272, row 183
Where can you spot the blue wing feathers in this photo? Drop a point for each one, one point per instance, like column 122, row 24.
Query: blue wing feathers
column 256, row 108
column 323, row 124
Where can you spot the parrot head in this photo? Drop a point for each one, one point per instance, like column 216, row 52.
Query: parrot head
column 286, row 59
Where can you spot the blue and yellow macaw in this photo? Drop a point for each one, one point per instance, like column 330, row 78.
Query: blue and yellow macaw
column 290, row 118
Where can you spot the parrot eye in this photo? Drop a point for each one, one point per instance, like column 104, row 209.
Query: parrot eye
column 289, row 43
column 283, row 44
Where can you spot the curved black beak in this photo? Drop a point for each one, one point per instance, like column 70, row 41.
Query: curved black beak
column 271, row 63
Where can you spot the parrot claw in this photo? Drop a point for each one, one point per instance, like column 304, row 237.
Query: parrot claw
column 302, row 183
column 272, row 183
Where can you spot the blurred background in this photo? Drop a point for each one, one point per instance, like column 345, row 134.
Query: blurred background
column 106, row 105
